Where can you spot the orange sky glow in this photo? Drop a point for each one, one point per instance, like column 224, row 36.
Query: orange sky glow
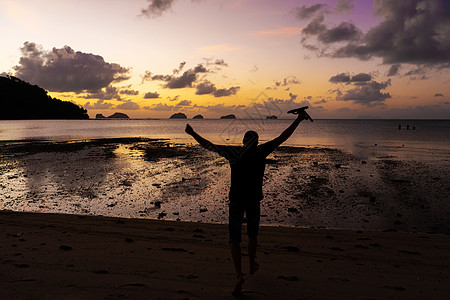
column 151, row 59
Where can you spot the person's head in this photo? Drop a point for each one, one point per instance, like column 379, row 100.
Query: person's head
column 250, row 138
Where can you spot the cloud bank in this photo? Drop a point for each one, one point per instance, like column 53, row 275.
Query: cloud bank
column 66, row 70
column 412, row 32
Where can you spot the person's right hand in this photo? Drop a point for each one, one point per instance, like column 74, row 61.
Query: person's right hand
column 189, row 129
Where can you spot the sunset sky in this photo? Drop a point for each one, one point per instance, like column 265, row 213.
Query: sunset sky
column 153, row 58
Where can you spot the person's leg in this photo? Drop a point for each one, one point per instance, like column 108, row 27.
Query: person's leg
column 236, row 214
column 253, row 216
column 252, row 244
column 237, row 257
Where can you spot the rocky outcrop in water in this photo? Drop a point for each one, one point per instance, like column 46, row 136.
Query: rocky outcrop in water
column 178, row 116
column 228, row 117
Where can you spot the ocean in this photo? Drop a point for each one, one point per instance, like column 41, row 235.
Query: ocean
column 355, row 136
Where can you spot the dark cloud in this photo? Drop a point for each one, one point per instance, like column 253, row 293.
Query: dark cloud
column 156, row 8
column 129, row 105
column 64, row 70
column 287, row 81
column 226, row 92
column 347, row 78
column 129, row 92
column 438, row 95
column 184, row 103
column 366, row 93
column 177, row 82
column 320, row 101
column 151, row 95
column 100, row 104
column 315, row 27
column 220, row 62
column 180, row 67
column 107, row 93
column 413, row 32
column 147, row 76
column 160, row 107
column 185, row 80
column 205, row 87
column 175, row 98
column 393, row 70
column 345, row 6
column 343, row 32
column 306, row 12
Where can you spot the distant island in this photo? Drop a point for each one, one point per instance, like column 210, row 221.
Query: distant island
column 21, row 100
column 198, row 117
column 228, row 117
column 178, row 116
column 116, row 115
column 273, row 117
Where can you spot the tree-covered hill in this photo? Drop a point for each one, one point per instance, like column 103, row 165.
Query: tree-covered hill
column 21, row 100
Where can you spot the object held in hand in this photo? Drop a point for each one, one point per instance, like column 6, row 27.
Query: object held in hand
column 299, row 110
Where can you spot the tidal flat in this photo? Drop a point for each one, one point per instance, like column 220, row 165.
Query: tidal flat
column 158, row 179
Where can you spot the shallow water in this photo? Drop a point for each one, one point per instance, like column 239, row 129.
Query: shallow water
column 363, row 138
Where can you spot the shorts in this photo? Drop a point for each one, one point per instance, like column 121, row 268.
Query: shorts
column 236, row 217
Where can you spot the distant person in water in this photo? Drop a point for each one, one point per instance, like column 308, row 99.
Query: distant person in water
column 247, row 171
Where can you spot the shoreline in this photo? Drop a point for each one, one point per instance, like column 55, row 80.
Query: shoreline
column 85, row 257
column 158, row 179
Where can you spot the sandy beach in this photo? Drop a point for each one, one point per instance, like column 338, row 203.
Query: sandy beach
column 53, row 256
column 135, row 218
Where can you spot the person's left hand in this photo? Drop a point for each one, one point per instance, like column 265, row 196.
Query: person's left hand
column 189, row 130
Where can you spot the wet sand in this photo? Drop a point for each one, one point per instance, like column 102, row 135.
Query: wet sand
column 386, row 203
column 157, row 179
column 54, row 256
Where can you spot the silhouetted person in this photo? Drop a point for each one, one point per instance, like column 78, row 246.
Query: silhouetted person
column 407, row 127
column 247, row 164
column 399, row 126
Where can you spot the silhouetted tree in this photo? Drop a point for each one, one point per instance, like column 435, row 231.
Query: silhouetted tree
column 21, row 100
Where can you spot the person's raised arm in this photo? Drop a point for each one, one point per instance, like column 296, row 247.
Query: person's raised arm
column 290, row 130
column 201, row 140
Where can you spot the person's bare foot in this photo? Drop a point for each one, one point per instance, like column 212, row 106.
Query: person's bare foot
column 254, row 268
column 238, row 285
